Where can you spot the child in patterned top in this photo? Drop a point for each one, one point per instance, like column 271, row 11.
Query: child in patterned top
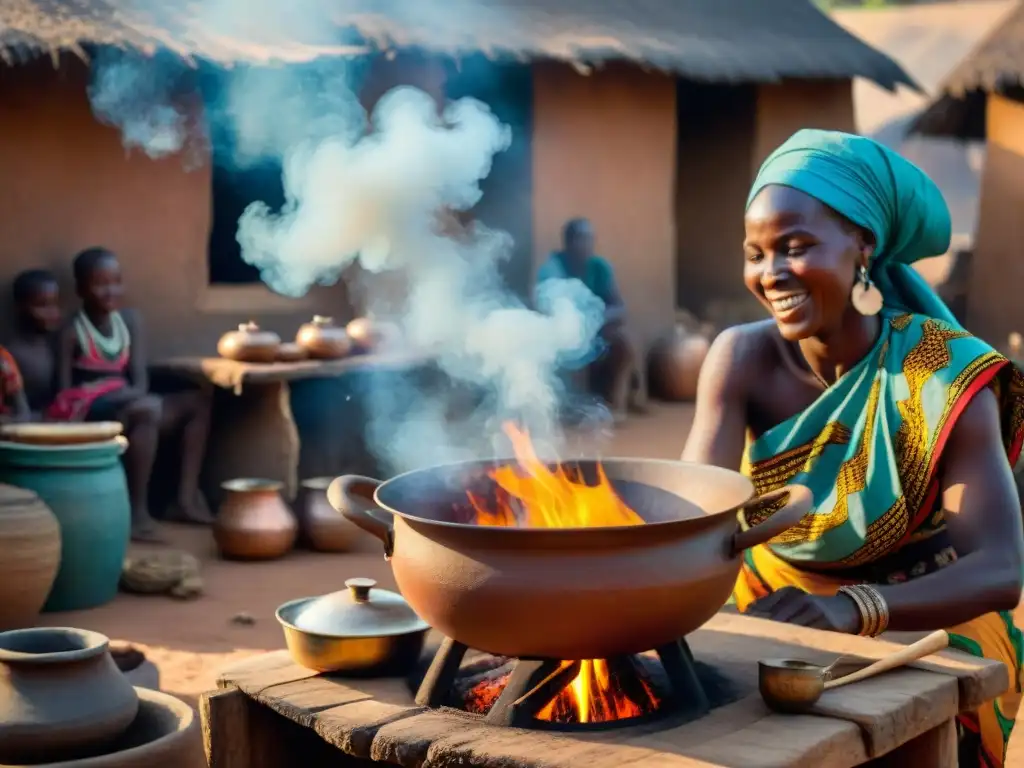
column 103, row 375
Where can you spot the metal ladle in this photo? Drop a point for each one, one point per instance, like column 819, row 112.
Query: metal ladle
column 793, row 686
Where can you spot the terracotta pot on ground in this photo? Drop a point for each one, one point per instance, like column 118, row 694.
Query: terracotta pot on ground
column 30, row 543
column 675, row 361
column 61, row 695
column 253, row 522
column 164, row 734
column 322, row 527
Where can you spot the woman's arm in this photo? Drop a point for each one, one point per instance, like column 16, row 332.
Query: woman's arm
column 983, row 517
column 718, row 433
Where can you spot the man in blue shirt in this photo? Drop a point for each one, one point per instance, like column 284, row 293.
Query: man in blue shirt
column 612, row 375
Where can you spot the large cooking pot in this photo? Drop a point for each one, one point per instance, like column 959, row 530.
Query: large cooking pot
column 567, row 593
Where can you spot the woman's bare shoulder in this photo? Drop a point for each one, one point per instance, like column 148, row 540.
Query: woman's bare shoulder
column 739, row 354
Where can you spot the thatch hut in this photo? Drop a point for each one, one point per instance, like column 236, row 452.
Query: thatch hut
column 650, row 118
column 983, row 99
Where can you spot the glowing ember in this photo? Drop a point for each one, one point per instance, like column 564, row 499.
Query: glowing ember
column 533, row 495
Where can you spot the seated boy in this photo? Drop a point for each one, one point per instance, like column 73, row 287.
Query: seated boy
column 37, row 319
column 102, row 375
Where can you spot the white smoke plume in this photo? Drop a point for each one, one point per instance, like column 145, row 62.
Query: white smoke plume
column 371, row 193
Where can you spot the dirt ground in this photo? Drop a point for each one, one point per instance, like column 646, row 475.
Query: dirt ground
column 191, row 641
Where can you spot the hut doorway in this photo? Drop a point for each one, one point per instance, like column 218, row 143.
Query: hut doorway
column 716, row 134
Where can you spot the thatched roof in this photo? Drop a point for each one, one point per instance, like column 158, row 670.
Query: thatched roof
column 719, row 40
column 996, row 65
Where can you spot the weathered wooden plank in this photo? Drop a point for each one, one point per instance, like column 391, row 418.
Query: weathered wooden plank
column 261, row 672
column 237, row 734
column 738, row 636
column 376, row 719
column 353, row 728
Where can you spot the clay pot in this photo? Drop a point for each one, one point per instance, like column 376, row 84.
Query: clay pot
column 253, row 522
column 568, row 593
column 290, row 352
column 323, row 340
column 165, row 734
column 365, row 333
column 675, row 362
column 249, row 344
column 30, row 543
column 322, row 527
column 61, row 695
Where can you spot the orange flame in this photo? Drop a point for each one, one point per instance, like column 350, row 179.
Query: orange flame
column 533, row 495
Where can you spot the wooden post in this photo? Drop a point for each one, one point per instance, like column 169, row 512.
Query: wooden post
column 239, row 733
column 936, row 748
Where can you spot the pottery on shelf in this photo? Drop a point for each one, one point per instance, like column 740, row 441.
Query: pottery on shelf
column 249, row 344
column 85, row 488
column 366, row 334
column 61, row 695
column 321, row 526
column 323, row 340
column 675, row 362
column 290, row 352
column 164, row 734
column 30, row 543
column 253, row 521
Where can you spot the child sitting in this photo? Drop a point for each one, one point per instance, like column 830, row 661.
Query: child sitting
column 37, row 319
column 102, row 375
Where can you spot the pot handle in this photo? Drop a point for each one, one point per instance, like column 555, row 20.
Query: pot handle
column 352, row 495
column 799, row 504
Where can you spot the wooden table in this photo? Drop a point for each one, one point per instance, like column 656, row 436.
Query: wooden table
column 287, row 421
column 270, row 713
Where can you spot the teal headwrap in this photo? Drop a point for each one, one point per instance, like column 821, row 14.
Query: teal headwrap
column 878, row 190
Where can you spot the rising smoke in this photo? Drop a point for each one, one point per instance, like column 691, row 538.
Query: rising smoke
column 369, row 191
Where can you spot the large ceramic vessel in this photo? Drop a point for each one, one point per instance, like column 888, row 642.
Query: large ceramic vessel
column 85, row 487
column 61, row 695
column 321, row 526
column 30, row 547
column 253, row 522
column 165, row 734
column 675, row 362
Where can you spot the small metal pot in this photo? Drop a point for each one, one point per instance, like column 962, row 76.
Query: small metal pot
column 362, row 631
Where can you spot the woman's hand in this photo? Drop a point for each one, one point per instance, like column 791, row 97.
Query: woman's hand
column 794, row 606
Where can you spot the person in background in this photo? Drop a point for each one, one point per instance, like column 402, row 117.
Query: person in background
column 863, row 388
column 13, row 403
column 614, row 374
column 36, row 295
column 103, row 376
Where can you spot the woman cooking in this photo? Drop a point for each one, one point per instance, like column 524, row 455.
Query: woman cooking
column 864, row 388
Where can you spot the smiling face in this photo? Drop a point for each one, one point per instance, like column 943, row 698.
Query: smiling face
column 801, row 261
column 101, row 288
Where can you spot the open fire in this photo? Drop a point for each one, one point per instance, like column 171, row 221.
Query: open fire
column 533, row 495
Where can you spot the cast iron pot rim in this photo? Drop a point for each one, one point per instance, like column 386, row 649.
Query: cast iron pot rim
column 520, row 531
column 292, row 604
column 96, row 645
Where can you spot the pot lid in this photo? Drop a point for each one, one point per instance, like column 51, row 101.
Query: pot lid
column 362, row 610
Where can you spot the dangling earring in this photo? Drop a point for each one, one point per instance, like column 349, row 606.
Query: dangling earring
column 866, row 297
